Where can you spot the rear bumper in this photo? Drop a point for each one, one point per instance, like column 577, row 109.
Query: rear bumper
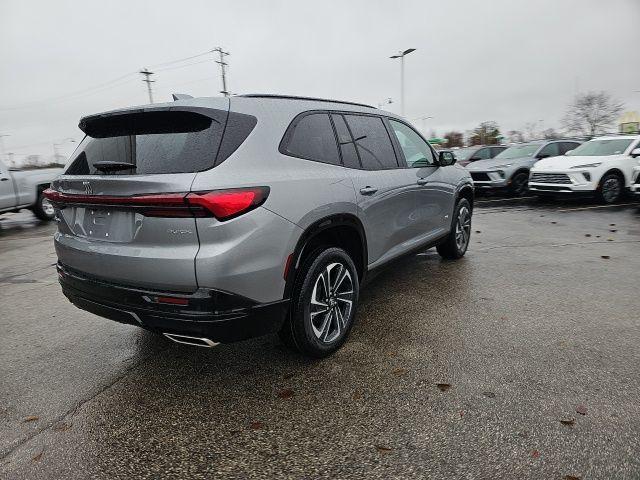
column 219, row 316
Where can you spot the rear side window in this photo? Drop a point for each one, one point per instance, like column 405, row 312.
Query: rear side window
column 496, row 150
column 551, row 150
column 312, row 138
column 373, row 142
column 152, row 142
column 347, row 147
column 482, row 154
column 567, row 146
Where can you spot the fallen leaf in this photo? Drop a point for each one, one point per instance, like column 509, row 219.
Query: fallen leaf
column 572, row 477
column 606, row 257
column 38, row 456
column 613, row 230
column 581, row 409
column 535, row 454
column 587, row 234
column 61, row 427
column 31, row 418
column 399, row 371
column 554, row 222
column 478, row 231
column 392, row 354
column 612, row 224
column 383, row 449
column 256, row 425
column 461, row 413
column 357, row 395
column 443, row 387
column 489, row 394
column 286, row 393
column 569, row 422
column 609, row 239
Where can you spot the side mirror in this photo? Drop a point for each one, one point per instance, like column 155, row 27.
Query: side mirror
column 542, row 155
column 473, row 159
column 446, row 158
column 568, row 152
column 635, row 152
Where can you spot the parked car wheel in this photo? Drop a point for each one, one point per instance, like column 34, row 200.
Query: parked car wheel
column 43, row 209
column 519, row 184
column 324, row 303
column 610, row 188
column 457, row 242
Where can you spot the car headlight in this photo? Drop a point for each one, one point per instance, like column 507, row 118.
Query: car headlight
column 588, row 165
column 497, row 167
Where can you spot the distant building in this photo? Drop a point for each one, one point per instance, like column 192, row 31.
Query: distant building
column 629, row 122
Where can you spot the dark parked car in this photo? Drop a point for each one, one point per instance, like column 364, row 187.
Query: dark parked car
column 466, row 155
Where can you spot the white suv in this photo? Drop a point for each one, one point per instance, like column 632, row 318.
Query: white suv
column 603, row 166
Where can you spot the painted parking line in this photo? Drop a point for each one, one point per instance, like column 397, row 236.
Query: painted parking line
column 503, row 200
column 597, row 206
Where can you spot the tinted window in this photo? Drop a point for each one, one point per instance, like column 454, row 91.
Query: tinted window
column 347, row 147
column 551, row 150
column 518, row 151
column 567, row 146
column 373, row 142
column 496, row 150
column 482, row 154
column 613, row 146
column 154, row 142
column 313, row 138
column 416, row 151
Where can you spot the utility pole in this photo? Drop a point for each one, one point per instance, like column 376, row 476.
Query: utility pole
column 147, row 79
column 401, row 56
column 222, row 64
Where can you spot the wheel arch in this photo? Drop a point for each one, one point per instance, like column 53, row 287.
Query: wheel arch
column 616, row 171
column 341, row 230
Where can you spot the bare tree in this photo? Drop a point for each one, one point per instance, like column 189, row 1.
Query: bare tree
column 454, row 139
column 487, row 133
column 530, row 131
column 515, row 136
column 591, row 112
column 550, row 134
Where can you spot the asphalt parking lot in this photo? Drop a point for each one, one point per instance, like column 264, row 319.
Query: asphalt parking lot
column 520, row 361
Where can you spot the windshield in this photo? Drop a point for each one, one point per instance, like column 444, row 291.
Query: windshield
column 464, row 153
column 518, row 151
column 602, row 147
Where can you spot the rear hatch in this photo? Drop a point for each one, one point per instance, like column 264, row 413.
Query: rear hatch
column 120, row 203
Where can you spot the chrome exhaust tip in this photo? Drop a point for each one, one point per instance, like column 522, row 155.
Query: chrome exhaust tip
column 193, row 341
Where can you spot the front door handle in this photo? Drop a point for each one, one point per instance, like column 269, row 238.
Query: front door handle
column 422, row 181
column 3, row 179
column 368, row 190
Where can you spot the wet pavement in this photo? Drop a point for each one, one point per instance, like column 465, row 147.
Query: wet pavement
column 462, row 369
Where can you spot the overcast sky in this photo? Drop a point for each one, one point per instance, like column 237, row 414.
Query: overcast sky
column 512, row 61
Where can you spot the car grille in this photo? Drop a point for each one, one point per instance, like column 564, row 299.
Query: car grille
column 480, row 177
column 550, row 178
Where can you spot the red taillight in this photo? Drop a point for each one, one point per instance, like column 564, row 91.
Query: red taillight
column 222, row 204
column 226, row 204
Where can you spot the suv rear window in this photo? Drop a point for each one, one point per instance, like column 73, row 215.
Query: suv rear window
column 373, row 142
column 155, row 142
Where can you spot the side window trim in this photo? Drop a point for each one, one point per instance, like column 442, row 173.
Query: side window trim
column 335, row 136
column 400, row 158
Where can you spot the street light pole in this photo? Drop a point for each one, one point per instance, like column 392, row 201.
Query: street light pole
column 401, row 56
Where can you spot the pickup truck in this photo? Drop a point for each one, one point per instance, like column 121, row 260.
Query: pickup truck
column 23, row 189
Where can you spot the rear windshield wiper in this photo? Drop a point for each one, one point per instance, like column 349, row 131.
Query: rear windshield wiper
column 113, row 166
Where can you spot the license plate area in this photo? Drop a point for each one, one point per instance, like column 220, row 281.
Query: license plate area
column 107, row 225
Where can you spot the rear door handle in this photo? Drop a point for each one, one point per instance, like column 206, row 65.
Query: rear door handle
column 3, row 179
column 422, row 181
column 368, row 190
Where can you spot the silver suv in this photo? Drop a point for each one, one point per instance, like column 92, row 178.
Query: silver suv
column 218, row 219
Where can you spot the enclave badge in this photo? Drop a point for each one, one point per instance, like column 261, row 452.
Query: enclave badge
column 87, row 188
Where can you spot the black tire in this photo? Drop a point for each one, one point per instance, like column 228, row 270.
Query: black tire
column 300, row 331
column 519, row 185
column 42, row 208
column 452, row 248
column 611, row 188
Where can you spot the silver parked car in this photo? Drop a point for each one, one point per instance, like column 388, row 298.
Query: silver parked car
column 218, row 219
column 509, row 170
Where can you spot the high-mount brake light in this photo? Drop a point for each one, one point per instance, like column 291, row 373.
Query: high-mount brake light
column 221, row 204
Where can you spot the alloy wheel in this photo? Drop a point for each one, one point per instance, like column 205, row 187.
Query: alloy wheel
column 331, row 302
column 463, row 228
column 611, row 189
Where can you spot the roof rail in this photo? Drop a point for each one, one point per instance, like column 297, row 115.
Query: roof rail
column 294, row 97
